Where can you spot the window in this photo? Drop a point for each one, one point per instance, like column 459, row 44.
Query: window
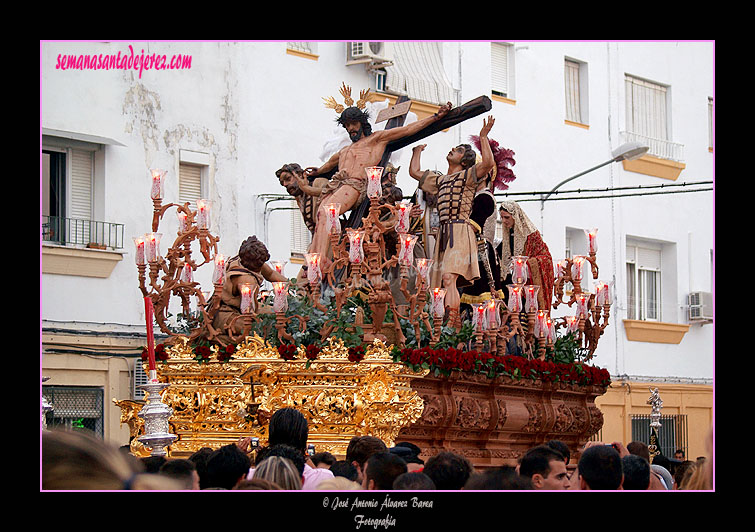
column 575, row 243
column 416, row 70
column 189, row 184
column 671, row 436
column 647, row 105
column 75, row 407
column 502, row 69
column 575, row 85
column 300, row 235
column 643, row 281
column 306, row 47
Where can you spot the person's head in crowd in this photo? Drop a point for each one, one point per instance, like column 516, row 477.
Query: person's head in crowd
column 640, row 449
column 288, row 426
column 200, row 457
column 338, row 484
column 360, row 449
column 560, row 447
column 226, row 466
column 545, row 467
column 182, row 470
column 413, row 481
column 323, row 460
column 152, row 464
column 256, row 484
column 599, row 468
column 280, row 471
column 636, row 472
column 679, row 455
column 663, row 473
column 284, row 451
column 381, row 470
column 78, row 460
column 410, row 454
column 501, row 478
column 345, row 469
column 448, row 470
column 681, row 471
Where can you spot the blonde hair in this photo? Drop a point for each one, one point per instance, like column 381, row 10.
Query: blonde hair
column 697, row 477
column 280, row 471
column 76, row 460
column 338, row 484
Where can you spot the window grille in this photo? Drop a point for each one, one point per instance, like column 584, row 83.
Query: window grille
column 671, row 436
column 75, row 407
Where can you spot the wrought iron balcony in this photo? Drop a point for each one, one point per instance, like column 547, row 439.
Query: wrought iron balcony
column 89, row 233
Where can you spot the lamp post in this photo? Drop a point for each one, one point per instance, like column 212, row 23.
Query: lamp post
column 626, row 152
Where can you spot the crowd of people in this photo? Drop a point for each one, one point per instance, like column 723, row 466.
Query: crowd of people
column 76, row 460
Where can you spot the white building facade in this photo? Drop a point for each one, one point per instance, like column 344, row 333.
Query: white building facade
column 222, row 117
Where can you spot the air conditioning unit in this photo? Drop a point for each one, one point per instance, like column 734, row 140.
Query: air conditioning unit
column 700, row 306
column 372, row 54
column 140, row 378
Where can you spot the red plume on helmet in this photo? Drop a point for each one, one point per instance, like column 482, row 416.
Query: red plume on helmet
column 503, row 159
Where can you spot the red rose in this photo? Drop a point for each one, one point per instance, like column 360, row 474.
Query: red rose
column 160, row 352
column 287, row 351
column 311, row 352
column 356, row 354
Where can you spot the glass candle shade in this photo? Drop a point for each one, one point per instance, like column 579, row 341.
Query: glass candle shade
column 551, row 336
column 247, row 293
column 279, row 265
column 332, row 211
column 592, row 239
column 572, row 323
column 187, row 274
column 602, row 293
column 152, row 246
column 158, row 183
column 438, row 302
column 374, row 188
column 280, row 296
column 530, row 297
column 479, row 321
column 402, row 217
column 519, row 270
column 203, row 214
column 492, row 313
column 218, row 273
column 515, row 298
column 139, row 250
column 583, row 304
column 423, row 269
column 561, row 268
column 406, row 249
column 541, row 324
column 314, row 274
column 356, row 249
column 181, row 221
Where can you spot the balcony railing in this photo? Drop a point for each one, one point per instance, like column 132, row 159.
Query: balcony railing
column 88, row 233
column 663, row 149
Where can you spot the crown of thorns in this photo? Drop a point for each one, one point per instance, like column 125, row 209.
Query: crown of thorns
column 345, row 91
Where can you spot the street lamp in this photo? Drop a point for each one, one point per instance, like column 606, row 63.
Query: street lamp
column 626, row 152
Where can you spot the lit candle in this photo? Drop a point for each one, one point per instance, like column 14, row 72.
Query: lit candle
column 423, row 269
column 576, row 268
column 279, row 265
column 439, row 298
column 583, row 302
column 158, row 183
column 572, row 323
column 203, row 214
column 530, row 294
column 246, row 290
column 601, row 289
column 149, row 313
column 356, row 250
column 515, row 298
column 592, row 238
column 403, row 219
column 374, row 188
column 541, row 324
column 478, row 316
column 313, row 267
column 332, row 223
column 519, row 270
column 561, row 268
column 406, row 253
column 152, row 246
column 280, row 301
column 181, row 221
column 139, row 253
column 187, row 274
column 218, row 273
column 551, row 330
column 492, row 313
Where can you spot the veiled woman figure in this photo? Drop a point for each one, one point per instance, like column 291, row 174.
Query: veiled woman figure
column 521, row 238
